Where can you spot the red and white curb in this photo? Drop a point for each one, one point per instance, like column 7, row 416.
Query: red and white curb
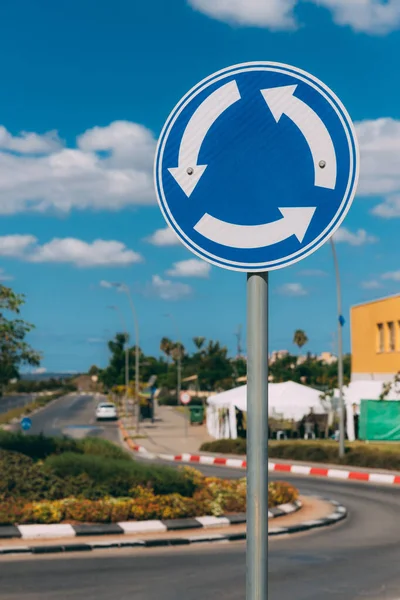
column 303, row 470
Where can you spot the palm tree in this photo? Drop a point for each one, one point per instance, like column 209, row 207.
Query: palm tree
column 177, row 350
column 300, row 338
column 199, row 342
column 166, row 346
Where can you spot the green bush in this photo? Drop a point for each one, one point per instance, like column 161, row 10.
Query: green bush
column 36, row 447
column 227, row 446
column 119, row 476
column 22, row 478
column 368, row 456
column 100, row 447
column 39, row 447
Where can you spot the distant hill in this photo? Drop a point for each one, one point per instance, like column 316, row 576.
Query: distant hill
column 45, row 376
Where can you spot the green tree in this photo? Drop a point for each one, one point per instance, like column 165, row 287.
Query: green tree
column 14, row 350
column 114, row 374
column 94, row 370
column 300, row 338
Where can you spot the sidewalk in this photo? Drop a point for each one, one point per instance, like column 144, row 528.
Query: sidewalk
column 167, row 435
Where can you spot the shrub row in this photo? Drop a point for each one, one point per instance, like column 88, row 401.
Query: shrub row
column 357, row 455
column 227, row 446
column 39, row 447
column 213, row 497
column 84, row 476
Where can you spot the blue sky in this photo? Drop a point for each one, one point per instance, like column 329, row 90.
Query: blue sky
column 85, row 92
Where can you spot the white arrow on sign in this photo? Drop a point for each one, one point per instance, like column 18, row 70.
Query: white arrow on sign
column 281, row 101
column 295, row 222
column 188, row 173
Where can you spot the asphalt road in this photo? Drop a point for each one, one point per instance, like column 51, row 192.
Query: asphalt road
column 356, row 559
column 72, row 415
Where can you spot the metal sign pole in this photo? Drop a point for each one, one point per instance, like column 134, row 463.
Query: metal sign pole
column 257, row 437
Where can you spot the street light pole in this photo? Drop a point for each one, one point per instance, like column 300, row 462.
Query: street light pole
column 124, row 288
column 340, row 352
column 137, row 356
column 179, row 365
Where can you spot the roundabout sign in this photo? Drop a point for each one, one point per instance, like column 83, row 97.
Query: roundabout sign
column 256, row 167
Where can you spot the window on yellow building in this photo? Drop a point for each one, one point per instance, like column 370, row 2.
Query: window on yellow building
column 392, row 336
column 380, row 338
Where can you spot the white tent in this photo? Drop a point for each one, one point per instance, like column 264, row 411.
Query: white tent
column 288, row 400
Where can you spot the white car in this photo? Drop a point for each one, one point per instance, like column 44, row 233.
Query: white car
column 106, row 410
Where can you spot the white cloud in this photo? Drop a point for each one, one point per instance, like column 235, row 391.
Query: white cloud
column 29, row 142
column 164, row 237
column 358, row 238
column 392, row 275
column 369, row 16
column 39, row 371
column 292, row 289
column 169, row 290
column 371, row 284
column 389, row 208
column 110, row 168
column 380, row 157
column 190, row 268
column 4, row 276
column 273, row 14
column 106, row 284
column 68, row 250
column 83, row 254
column 15, row 245
column 313, row 273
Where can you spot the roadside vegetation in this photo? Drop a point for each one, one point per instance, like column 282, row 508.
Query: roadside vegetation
column 25, row 411
column 358, row 454
column 49, row 480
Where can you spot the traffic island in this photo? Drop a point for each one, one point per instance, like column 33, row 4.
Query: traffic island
column 307, row 514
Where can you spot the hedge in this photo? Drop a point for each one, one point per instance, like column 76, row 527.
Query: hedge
column 213, row 496
column 357, row 455
column 227, row 446
column 39, row 447
column 117, row 477
column 85, row 476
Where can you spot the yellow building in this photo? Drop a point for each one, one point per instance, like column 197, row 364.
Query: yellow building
column 375, row 339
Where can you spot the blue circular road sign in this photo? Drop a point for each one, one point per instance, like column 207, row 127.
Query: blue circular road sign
column 257, row 166
column 26, row 423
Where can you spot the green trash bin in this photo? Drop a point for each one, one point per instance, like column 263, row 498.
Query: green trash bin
column 196, row 415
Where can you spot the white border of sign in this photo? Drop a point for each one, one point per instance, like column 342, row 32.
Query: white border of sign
column 350, row 190
column 185, row 398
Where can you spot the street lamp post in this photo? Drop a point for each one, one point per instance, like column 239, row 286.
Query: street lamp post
column 116, row 308
column 124, row 288
column 179, row 365
column 340, row 352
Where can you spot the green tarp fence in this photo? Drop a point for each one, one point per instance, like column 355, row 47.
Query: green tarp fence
column 379, row 420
